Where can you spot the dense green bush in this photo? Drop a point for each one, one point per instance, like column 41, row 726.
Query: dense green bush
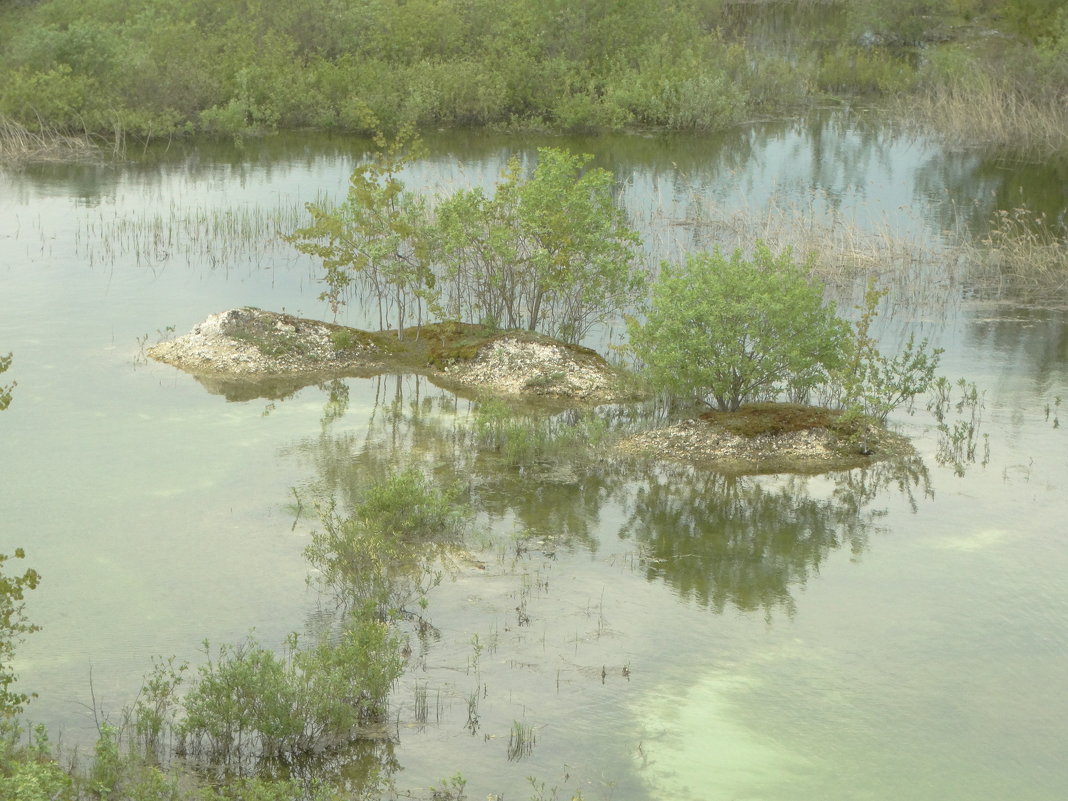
column 733, row 329
column 28, row 771
column 247, row 702
column 379, row 238
column 236, row 67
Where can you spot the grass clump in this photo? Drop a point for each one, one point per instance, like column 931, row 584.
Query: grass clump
column 524, row 440
column 247, row 701
column 1021, row 253
column 758, row 419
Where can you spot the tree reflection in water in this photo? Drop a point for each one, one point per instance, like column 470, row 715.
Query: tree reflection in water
column 720, row 540
column 746, row 541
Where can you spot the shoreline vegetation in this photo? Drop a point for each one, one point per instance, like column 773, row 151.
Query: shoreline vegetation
column 979, row 73
column 85, row 79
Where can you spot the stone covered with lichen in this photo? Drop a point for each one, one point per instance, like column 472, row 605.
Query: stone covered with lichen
column 252, row 342
column 520, row 366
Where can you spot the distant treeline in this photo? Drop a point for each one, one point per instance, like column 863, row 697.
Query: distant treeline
column 161, row 67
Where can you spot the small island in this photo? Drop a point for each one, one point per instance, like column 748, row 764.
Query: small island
column 263, row 350
column 540, row 263
column 247, row 352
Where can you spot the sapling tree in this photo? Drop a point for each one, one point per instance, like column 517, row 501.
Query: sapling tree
column 377, row 239
column 13, row 626
column 5, row 389
column 549, row 252
column 873, row 384
column 13, row 622
column 730, row 329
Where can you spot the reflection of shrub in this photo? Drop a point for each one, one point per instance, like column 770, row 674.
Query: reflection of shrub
column 381, row 552
column 522, row 440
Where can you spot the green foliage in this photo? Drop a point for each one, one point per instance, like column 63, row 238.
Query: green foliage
column 550, row 253
column 730, row 330
column 107, row 766
column 6, row 389
column 1036, row 19
column 172, row 67
column 379, row 237
column 898, row 22
column 873, row 384
column 156, row 705
column 688, row 90
column 382, row 552
column 958, row 440
column 865, row 71
column 247, row 702
column 342, row 338
column 30, row 773
column 13, row 626
column 525, row 440
column 255, row 788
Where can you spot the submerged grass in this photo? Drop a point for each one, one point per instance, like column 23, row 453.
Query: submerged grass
column 523, row 440
column 195, row 233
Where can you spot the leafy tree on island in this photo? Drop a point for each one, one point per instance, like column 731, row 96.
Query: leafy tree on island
column 728, row 329
column 551, row 252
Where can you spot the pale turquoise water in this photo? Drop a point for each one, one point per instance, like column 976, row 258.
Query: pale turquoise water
column 789, row 647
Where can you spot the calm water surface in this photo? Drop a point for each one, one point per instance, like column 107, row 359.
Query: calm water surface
column 881, row 634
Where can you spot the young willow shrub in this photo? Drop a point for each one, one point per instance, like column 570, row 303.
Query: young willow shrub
column 249, row 703
column 13, row 626
column 551, row 252
column 377, row 239
column 873, row 384
column 734, row 329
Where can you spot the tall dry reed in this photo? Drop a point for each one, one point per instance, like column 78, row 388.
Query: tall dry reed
column 985, row 109
column 19, row 144
column 1022, row 254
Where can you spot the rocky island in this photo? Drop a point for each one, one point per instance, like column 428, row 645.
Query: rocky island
column 246, row 353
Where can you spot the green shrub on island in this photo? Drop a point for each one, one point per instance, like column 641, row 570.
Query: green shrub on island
column 731, row 329
column 549, row 251
column 728, row 330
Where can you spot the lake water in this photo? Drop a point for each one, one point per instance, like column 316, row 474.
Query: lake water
column 895, row 632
